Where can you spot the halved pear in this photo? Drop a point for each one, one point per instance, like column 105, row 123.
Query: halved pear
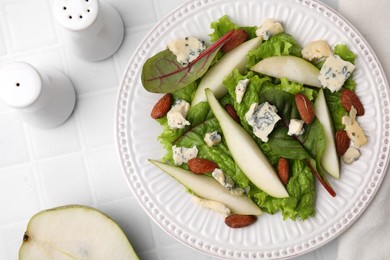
column 246, row 153
column 209, row 188
column 234, row 59
column 74, row 232
column 330, row 159
column 293, row 68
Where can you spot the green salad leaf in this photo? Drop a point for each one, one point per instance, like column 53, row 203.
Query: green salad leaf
column 345, row 53
column 223, row 25
column 162, row 73
column 278, row 45
column 301, row 202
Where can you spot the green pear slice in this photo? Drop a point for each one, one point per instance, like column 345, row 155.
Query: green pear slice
column 209, row 188
column 234, row 59
column 246, row 153
column 330, row 159
column 74, row 232
column 293, row 68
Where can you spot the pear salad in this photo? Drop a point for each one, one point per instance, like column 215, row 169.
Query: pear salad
column 251, row 120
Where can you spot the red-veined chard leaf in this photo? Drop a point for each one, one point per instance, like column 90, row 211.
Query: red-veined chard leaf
column 162, row 73
column 309, row 146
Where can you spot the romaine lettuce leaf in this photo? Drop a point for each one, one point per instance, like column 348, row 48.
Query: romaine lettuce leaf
column 281, row 44
column 218, row 153
column 300, row 204
column 345, row 53
column 223, row 25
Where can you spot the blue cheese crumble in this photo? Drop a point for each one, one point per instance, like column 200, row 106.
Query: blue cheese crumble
column 353, row 128
column 212, row 138
column 316, row 50
column 357, row 136
column 240, row 89
column 213, row 205
column 263, row 119
column 187, row 49
column 352, row 154
column 183, row 155
column 269, row 28
column 335, row 72
column 177, row 115
column 295, row 127
column 226, row 182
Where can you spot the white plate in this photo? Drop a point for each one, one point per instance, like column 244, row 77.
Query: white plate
column 167, row 202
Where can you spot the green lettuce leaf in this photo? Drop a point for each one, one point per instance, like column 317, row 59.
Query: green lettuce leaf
column 300, row 204
column 218, row 153
column 223, row 25
column 281, row 44
column 345, row 53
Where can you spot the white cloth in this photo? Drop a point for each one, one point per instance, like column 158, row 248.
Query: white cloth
column 369, row 237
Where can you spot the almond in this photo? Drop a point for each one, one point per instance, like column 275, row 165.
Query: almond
column 238, row 37
column 239, row 221
column 283, row 170
column 349, row 99
column 342, row 142
column 305, row 108
column 201, row 166
column 232, row 112
column 162, row 106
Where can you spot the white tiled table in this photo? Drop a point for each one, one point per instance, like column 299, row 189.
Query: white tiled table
column 77, row 163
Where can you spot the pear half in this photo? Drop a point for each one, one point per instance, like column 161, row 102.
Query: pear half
column 74, row 232
column 293, row 68
column 208, row 188
column 330, row 159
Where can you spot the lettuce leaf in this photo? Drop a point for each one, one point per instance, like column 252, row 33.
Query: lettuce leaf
column 281, row 44
column 300, row 204
column 218, row 153
column 345, row 53
column 223, row 25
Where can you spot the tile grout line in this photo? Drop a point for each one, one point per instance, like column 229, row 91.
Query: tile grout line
column 85, row 158
column 38, row 182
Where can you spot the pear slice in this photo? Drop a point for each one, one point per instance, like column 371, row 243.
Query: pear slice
column 246, row 153
column 234, row 59
column 74, row 232
column 293, row 68
column 330, row 159
column 209, row 188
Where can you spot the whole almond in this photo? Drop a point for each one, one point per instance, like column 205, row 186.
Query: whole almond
column 201, row 166
column 232, row 112
column 239, row 221
column 283, row 170
column 305, row 108
column 349, row 99
column 238, row 37
column 162, row 106
column 342, row 142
